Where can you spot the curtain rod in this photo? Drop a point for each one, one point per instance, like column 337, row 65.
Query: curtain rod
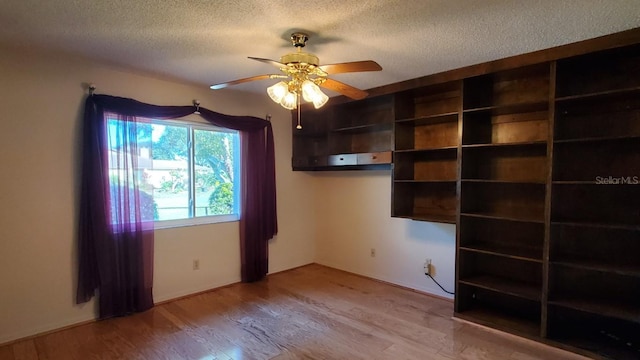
column 196, row 102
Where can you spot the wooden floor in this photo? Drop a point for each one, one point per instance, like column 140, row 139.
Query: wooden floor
column 311, row 312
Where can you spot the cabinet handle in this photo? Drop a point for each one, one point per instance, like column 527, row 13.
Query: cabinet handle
column 341, row 159
column 374, row 157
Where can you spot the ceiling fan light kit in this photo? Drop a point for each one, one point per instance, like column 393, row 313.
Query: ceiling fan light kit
column 303, row 77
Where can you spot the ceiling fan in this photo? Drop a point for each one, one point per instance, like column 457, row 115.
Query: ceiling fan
column 303, row 76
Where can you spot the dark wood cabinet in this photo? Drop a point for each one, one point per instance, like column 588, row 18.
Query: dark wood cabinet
column 347, row 135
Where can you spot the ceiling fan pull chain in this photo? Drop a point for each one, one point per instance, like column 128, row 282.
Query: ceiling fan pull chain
column 299, row 127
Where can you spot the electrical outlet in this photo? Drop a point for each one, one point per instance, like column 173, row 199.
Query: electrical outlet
column 373, row 252
column 428, row 267
column 196, row 264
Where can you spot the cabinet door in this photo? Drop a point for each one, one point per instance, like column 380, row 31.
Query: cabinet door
column 374, row 158
column 343, row 159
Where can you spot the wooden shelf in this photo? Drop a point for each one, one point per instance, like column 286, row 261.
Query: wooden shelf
column 501, row 321
column 504, row 217
column 504, row 238
column 425, row 200
column 568, row 182
column 419, row 150
column 509, row 201
column 524, row 107
column 600, row 94
column 446, row 219
column 506, row 286
column 426, row 181
column 623, row 311
column 605, row 337
column 426, row 165
column 362, row 128
column 430, row 119
column 614, row 205
column 598, row 139
column 597, row 225
column 506, row 250
column 496, row 145
column 619, row 269
column 587, row 182
column 491, row 181
column 426, row 135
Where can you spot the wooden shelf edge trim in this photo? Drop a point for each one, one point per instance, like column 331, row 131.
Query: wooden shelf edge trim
column 496, row 145
column 527, row 295
column 501, row 253
column 596, row 225
column 502, row 217
column 597, row 94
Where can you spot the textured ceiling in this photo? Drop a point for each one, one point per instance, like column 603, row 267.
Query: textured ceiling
column 208, row 41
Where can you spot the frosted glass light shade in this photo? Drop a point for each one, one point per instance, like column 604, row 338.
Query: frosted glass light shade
column 312, row 93
column 289, row 101
column 278, row 91
column 320, row 100
column 309, row 90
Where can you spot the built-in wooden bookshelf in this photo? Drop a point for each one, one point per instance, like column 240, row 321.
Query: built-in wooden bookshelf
column 594, row 286
column 426, row 153
column 504, row 170
column 536, row 158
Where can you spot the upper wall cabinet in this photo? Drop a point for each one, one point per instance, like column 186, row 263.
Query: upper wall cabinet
column 350, row 135
column 311, row 142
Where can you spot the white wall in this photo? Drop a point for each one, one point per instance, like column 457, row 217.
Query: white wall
column 353, row 215
column 333, row 218
column 41, row 97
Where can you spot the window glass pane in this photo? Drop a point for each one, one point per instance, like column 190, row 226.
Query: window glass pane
column 215, row 153
column 183, row 171
column 167, row 176
column 127, row 144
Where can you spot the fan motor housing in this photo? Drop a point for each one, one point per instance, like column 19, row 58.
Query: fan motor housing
column 300, row 58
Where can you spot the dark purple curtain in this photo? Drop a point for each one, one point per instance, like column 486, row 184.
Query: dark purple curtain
column 116, row 238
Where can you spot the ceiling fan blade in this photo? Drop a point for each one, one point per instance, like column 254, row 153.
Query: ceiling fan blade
column 269, row 61
column 240, row 81
column 344, row 89
column 356, row 66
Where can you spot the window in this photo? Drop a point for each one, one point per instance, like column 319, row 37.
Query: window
column 188, row 173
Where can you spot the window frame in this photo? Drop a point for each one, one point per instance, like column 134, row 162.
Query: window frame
column 192, row 123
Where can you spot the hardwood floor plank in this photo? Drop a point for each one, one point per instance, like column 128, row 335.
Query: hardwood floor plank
column 25, row 350
column 312, row 312
column 6, row 353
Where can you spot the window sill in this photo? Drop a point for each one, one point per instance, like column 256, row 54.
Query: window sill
column 202, row 220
